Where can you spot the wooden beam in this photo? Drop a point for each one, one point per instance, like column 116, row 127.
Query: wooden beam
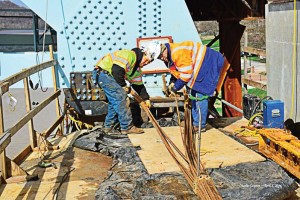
column 46, row 148
column 31, row 131
column 52, row 128
column 23, row 178
column 5, row 139
column 165, row 99
column 3, row 153
column 13, row 169
column 22, row 155
column 255, row 84
column 32, row 113
column 4, row 84
column 54, row 78
column 259, row 52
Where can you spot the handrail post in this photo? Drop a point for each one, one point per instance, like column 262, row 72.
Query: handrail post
column 54, row 78
column 3, row 154
column 32, row 134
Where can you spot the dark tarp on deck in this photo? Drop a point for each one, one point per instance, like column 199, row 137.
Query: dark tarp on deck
column 128, row 177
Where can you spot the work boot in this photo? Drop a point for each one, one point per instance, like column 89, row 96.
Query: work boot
column 114, row 127
column 133, row 130
column 107, row 129
column 196, row 129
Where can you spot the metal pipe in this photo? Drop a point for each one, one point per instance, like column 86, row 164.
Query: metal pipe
column 199, row 142
column 230, row 105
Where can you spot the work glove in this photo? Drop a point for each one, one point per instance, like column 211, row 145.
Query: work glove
column 127, row 89
column 170, row 87
column 172, row 90
column 148, row 103
column 172, row 94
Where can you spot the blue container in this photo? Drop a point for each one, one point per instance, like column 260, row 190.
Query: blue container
column 273, row 114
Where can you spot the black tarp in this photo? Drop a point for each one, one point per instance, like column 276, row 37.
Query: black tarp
column 128, row 178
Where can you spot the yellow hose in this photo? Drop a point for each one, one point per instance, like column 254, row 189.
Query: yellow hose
column 260, row 114
column 79, row 124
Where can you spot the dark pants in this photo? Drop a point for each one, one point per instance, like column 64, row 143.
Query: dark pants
column 118, row 108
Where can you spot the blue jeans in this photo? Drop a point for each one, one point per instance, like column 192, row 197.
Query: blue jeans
column 118, row 110
column 203, row 105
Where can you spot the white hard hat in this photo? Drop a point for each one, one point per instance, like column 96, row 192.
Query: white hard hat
column 153, row 50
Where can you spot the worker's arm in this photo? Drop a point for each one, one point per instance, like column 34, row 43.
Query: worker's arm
column 119, row 74
column 178, row 85
column 184, row 70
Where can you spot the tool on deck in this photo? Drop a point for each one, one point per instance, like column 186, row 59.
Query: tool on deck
column 46, row 163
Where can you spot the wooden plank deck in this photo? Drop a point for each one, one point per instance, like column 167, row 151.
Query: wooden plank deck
column 90, row 168
column 217, row 148
column 86, row 171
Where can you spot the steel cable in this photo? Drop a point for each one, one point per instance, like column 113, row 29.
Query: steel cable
column 202, row 185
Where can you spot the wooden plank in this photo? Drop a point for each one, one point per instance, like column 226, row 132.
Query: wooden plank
column 216, row 149
column 22, row 155
column 82, row 183
column 52, row 128
column 259, row 52
column 23, row 178
column 32, row 113
column 3, row 153
column 54, row 78
column 4, row 84
column 5, row 139
column 255, row 84
column 13, row 169
column 46, row 148
column 31, row 131
column 165, row 99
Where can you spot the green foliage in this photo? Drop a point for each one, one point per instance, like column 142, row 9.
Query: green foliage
column 218, row 106
column 215, row 45
column 257, row 59
column 257, row 92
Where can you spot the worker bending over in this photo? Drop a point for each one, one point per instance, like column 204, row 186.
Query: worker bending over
column 194, row 65
column 110, row 73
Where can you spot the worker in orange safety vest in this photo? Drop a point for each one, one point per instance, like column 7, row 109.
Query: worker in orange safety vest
column 194, row 65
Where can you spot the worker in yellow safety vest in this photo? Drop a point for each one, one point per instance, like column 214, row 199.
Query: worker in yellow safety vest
column 110, row 72
column 194, row 65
